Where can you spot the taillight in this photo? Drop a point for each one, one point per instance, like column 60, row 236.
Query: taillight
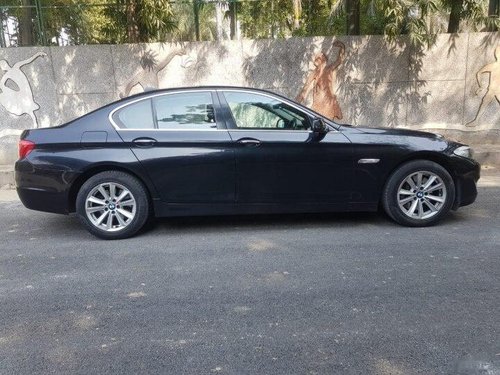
column 25, row 147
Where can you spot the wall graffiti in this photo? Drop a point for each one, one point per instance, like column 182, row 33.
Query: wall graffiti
column 493, row 89
column 16, row 95
column 147, row 78
column 321, row 82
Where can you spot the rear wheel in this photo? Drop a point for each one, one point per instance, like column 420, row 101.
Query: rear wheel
column 419, row 193
column 113, row 205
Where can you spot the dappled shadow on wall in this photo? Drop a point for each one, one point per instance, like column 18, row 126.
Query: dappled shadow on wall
column 369, row 78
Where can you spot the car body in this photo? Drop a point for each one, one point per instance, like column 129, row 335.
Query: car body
column 230, row 150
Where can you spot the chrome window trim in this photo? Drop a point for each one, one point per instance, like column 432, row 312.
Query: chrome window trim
column 181, row 91
column 211, row 91
column 270, row 130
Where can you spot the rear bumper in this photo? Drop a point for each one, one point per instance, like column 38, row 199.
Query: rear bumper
column 43, row 200
column 43, row 188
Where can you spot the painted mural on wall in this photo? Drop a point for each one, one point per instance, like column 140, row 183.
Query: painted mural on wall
column 321, row 82
column 16, row 95
column 147, row 78
column 493, row 89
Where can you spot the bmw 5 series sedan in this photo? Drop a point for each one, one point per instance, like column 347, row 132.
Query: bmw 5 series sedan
column 228, row 150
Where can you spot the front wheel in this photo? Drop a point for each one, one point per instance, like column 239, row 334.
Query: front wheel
column 419, row 193
column 113, row 205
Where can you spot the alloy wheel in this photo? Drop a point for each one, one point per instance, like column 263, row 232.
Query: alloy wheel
column 421, row 195
column 110, row 206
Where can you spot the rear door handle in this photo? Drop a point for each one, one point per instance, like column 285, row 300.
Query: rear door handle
column 144, row 142
column 249, row 142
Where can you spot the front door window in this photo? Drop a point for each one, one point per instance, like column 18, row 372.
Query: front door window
column 253, row 111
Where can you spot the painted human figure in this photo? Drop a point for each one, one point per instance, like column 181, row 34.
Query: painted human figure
column 15, row 91
column 493, row 89
column 321, row 81
column 148, row 77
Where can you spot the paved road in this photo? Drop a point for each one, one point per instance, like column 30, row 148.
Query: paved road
column 329, row 294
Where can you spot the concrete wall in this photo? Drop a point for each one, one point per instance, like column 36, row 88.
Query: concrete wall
column 376, row 83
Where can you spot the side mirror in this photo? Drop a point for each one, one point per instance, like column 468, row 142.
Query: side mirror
column 319, row 126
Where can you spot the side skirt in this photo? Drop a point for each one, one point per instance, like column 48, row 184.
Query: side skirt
column 208, row 209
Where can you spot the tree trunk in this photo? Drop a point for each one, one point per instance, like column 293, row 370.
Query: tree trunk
column 297, row 12
column 233, row 20
column 454, row 22
column 353, row 11
column 494, row 12
column 26, row 25
column 196, row 11
column 219, row 28
column 132, row 27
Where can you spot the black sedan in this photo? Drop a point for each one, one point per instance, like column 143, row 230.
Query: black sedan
column 227, row 150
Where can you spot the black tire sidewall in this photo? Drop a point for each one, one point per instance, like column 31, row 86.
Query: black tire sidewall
column 389, row 198
column 133, row 185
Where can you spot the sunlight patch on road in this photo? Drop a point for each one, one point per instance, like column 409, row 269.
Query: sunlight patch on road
column 242, row 309
column 85, row 322
column 276, row 276
column 385, row 367
column 261, row 245
column 136, row 295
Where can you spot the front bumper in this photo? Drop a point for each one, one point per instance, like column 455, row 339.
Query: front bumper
column 467, row 173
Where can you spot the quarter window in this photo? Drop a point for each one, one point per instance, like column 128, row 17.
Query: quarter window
column 185, row 111
column 137, row 115
column 254, row 111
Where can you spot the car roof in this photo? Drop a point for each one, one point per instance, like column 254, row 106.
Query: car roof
column 210, row 87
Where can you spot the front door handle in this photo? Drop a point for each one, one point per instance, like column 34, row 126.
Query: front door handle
column 144, row 142
column 249, row 142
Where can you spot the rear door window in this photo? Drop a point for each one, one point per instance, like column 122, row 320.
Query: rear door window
column 185, row 111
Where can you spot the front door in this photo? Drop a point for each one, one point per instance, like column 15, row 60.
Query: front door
column 279, row 159
column 183, row 147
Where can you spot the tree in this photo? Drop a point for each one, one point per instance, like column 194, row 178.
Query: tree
column 140, row 20
column 455, row 15
column 472, row 11
column 26, row 30
column 493, row 15
column 408, row 18
column 353, row 13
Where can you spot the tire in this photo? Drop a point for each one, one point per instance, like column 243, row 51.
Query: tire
column 124, row 216
column 423, row 205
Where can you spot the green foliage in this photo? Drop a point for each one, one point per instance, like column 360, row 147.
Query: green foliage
column 140, row 20
column 122, row 21
column 266, row 18
column 410, row 18
column 186, row 26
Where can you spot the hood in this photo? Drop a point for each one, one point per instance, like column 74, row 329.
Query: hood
column 396, row 131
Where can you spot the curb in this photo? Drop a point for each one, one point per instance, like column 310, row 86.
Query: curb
column 7, row 180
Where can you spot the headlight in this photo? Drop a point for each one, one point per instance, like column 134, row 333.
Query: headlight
column 464, row 151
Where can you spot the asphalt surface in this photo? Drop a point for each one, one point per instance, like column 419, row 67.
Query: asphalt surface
column 315, row 294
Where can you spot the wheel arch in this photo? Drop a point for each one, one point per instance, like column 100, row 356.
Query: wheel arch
column 92, row 171
column 430, row 156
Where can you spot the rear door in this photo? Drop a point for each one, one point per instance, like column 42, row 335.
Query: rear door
column 184, row 147
column 279, row 159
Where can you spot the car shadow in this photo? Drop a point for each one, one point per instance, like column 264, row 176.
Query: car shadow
column 270, row 221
